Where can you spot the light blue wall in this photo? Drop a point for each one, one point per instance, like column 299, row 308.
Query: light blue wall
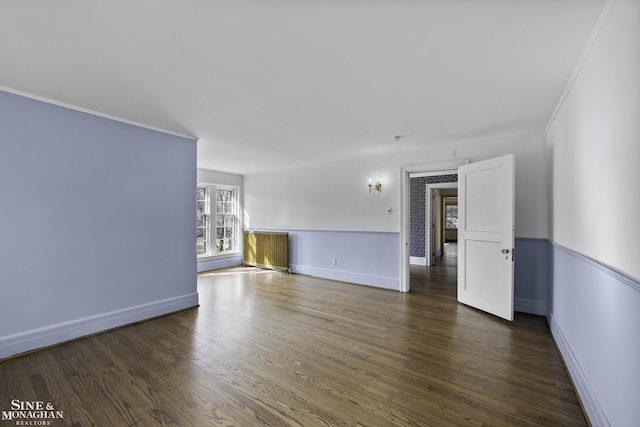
column 363, row 257
column 595, row 319
column 593, row 314
column 373, row 258
column 96, row 224
column 532, row 275
column 370, row 258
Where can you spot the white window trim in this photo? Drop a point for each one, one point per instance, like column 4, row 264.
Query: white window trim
column 211, row 251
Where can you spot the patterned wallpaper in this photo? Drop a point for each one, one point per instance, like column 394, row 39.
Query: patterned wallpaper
column 417, row 214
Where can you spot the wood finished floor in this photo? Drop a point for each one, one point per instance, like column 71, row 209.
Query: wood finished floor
column 267, row 349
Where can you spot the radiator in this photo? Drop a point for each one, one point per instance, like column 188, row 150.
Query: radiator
column 266, row 249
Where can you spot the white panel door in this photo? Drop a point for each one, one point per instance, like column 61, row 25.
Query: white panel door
column 486, row 235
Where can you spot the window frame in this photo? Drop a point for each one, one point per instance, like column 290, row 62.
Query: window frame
column 203, row 219
column 232, row 208
column 229, row 213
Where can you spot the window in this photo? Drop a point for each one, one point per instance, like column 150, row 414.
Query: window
column 451, row 217
column 202, row 212
column 226, row 220
column 217, row 220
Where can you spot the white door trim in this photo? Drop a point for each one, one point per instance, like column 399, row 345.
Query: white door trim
column 445, row 167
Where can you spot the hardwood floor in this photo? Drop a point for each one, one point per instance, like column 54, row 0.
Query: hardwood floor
column 268, row 349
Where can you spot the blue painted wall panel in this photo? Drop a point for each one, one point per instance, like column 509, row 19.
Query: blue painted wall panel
column 532, row 275
column 373, row 258
column 368, row 258
column 594, row 316
column 96, row 223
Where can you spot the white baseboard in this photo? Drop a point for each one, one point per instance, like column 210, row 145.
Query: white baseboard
column 55, row 334
column 589, row 401
column 415, row 260
column 216, row 263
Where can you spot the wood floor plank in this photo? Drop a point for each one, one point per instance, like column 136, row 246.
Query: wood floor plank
column 269, row 349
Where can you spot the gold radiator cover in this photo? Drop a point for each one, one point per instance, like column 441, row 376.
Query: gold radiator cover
column 266, row 249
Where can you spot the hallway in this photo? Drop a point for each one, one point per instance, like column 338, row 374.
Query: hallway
column 440, row 278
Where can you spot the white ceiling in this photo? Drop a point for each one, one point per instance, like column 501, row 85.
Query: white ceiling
column 275, row 84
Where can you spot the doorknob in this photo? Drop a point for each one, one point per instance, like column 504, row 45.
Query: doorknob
column 505, row 251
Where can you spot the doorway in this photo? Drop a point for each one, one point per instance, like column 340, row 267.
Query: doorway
column 440, row 274
column 441, row 217
column 438, row 280
column 447, row 167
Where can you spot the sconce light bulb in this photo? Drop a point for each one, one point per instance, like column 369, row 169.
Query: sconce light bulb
column 377, row 186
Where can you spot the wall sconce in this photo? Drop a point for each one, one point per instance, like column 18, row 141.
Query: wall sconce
column 377, row 186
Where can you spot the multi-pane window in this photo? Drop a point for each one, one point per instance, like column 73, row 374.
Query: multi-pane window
column 226, row 215
column 202, row 212
column 217, row 220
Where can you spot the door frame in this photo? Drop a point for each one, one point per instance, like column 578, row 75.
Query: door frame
column 444, row 168
column 429, row 237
